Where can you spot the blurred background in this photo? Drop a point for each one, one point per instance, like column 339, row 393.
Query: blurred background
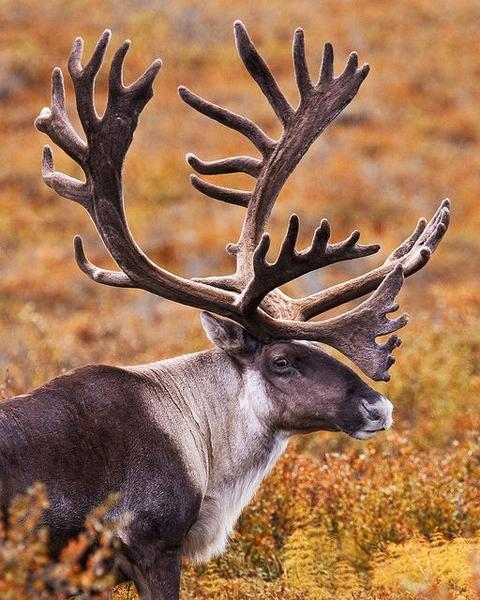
column 410, row 138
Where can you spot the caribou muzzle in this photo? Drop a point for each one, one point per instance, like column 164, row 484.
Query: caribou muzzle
column 377, row 416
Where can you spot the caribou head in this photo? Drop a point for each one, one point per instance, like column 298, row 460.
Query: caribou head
column 296, row 387
column 187, row 441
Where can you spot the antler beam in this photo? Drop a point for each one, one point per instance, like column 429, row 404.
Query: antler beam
column 101, row 158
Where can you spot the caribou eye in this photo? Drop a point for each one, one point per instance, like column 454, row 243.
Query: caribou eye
column 281, row 362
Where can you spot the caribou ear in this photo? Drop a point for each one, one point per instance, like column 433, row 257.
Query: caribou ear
column 228, row 335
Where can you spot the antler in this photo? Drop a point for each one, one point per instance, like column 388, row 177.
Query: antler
column 255, row 279
column 291, row 264
column 411, row 255
column 250, row 296
column 319, row 104
column 101, row 158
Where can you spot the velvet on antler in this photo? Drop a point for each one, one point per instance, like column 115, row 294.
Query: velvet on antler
column 250, row 296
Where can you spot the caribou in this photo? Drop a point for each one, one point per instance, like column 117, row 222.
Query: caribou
column 185, row 442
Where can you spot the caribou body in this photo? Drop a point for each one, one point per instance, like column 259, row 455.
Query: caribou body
column 187, row 441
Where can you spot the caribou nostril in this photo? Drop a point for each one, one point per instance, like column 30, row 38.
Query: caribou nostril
column 372, row 413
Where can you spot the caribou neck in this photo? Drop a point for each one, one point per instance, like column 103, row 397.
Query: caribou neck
column 226, row 410
column 225, row 431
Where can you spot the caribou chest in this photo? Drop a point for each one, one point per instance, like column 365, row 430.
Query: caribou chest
column 231, row 490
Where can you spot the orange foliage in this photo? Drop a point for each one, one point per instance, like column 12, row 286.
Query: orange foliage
column 28, row 573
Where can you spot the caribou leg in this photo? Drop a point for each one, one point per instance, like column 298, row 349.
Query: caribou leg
column 161, row 581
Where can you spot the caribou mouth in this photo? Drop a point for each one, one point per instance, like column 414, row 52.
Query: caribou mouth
column 365, row 434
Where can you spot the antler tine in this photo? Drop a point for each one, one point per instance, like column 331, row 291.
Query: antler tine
column 115, row 77
column 291, row 264
column 64, row 185
column 304, row 83
column 236, row 164
column 326, row 70
column 112, row 278
column 230, row 119
column 426, row 237
column 142, row 87
column 83, row 78
column 55, row 123
column 238, row 197
column 260, row 72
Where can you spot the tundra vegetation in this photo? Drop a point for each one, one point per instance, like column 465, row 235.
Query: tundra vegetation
column 392, row 518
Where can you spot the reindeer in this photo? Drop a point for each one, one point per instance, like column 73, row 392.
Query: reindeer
column 187, row 441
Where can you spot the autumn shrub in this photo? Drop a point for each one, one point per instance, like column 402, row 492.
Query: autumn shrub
column 418, row 563
column 366, row 520
column 320, row 524
column 27, row 572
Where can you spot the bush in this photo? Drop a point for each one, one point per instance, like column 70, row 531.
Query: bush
column 28, row 573
column 319, row 525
